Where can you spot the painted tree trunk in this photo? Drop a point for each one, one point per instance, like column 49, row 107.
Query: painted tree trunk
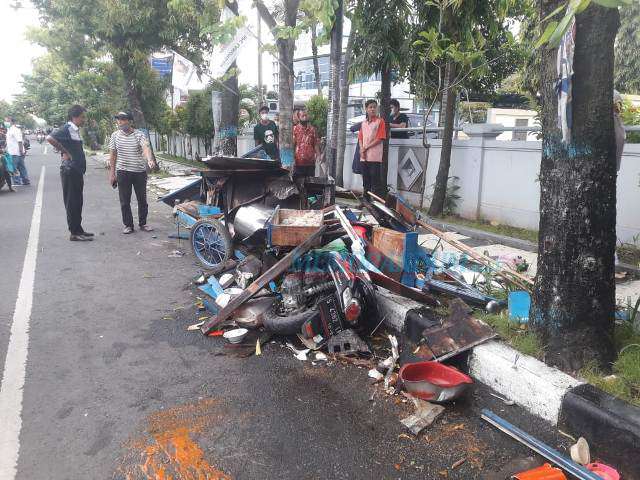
column 286, row 49
column 385, row 91
column 228, row 130
column 316, row 65
column 133, row 99
column 342, row 120
column 331, row 149
column 442, row 178
column 574, row 297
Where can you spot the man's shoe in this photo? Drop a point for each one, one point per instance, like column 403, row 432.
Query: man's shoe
column 79, row 238
column 146, row 228
column 87, row 234
column 127, row 230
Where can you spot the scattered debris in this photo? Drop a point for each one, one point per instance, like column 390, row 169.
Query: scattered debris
column 504, row 400
column 424, row 415
column 539, row 447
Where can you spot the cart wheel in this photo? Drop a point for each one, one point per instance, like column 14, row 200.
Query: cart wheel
column 211, row 242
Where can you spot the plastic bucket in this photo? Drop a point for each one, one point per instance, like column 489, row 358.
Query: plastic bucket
column 519, row 304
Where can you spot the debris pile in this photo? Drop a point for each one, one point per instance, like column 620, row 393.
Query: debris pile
column 343, row 282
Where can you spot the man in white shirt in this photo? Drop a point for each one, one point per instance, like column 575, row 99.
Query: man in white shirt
column 15, row 148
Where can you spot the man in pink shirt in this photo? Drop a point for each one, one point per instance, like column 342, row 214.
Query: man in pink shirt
column 372, row 133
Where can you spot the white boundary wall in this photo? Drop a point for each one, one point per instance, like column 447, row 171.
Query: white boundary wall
column 498, row 179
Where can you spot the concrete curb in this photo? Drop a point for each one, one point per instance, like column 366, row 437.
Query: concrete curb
column 508, row 241
column 606, row 422
column 611, row 426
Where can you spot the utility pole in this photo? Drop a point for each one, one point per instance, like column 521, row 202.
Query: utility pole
column 334, row 90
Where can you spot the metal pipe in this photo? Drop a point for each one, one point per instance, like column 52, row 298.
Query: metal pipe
column 539, row 447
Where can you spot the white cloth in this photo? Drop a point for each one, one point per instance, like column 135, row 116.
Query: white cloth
column 74, row 132
column 14, row 137
column 564, row 88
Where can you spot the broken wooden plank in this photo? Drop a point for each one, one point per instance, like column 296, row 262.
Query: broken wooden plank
column 262, row 281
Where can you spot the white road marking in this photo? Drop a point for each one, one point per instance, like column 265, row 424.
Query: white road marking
column 15, row 363
column 45, row 150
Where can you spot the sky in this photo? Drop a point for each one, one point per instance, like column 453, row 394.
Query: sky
column 16, row 52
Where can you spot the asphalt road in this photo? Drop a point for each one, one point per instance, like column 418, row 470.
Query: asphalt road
column 116, row 388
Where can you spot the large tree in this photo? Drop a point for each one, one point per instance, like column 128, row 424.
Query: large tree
column 574, row 299
column 460, row 44
column 130, row 30
column 282, row 23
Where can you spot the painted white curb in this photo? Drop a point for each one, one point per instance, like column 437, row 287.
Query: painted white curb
column 527, row 381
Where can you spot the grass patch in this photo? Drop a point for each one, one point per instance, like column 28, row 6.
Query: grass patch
column 518, row 335
column 180, row 160
column 624, row 382
column 506, row 230
column 629, row 253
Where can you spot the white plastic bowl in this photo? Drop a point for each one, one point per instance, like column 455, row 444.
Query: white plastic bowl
column 236, row 335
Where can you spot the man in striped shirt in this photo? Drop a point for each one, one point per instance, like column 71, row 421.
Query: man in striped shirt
column 129, row 149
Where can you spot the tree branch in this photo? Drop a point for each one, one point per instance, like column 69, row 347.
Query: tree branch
column 266, row 15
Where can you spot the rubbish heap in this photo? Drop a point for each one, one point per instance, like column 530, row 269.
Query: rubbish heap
column 284, row 258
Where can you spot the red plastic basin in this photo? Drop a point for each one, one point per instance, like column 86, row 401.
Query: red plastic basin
column 434, row 381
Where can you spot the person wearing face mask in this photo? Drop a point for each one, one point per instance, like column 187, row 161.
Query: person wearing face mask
column 306, row 147
column 370, row 137
column 397, row 120
column 73, row 166
column 265, row 133
column 130, row 155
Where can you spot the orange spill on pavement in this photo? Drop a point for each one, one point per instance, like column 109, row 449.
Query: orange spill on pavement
column 169, row 452
column 176, row 456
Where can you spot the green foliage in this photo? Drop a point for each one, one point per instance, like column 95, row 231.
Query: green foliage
column 249, row 105
column 631, row 116
column 555, row 29
column 473, row 36
column 17, row 110
column 473, row 112
column 318, row 109
column 381, row 29
column 198, row 115
column 627, row 66
column 128, row 31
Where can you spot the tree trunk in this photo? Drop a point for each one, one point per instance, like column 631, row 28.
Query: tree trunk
column 334, row 91
column 228, row 130
column 344, row 102
column 133, row 99
column 442, row 179
column 314, row 52
column 385, row 91
column 574, row 297
column 286, row 48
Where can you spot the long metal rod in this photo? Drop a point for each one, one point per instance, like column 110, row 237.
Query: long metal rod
column 539, row 447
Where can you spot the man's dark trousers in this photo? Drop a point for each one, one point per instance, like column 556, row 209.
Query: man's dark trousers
column 137, row 181
column 72, row 186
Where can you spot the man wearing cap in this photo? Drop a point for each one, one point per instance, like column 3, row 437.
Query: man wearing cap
column 129, row 149
column 66, row 139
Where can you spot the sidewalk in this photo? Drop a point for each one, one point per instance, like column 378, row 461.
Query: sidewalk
column 494, row 244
